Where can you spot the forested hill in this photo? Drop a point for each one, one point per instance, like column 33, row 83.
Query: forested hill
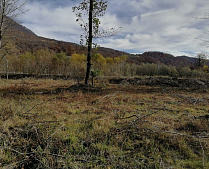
column 27, row 41
column 164, row 58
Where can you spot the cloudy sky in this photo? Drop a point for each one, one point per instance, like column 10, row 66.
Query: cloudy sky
column 168, row 26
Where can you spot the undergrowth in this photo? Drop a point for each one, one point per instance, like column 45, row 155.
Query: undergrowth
column 140, row 127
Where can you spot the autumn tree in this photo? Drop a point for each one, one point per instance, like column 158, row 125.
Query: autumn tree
column 9, row 10
column 88, row 13
column 201, row 58
column 99, row 61
column 78, row 66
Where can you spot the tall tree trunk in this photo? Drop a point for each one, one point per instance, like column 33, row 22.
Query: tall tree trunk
column 3, row 6
column 89, row 43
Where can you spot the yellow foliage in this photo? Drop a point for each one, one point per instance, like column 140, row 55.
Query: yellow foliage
column 206, row 68
column 26, row 56
column 110, row 60
column 99, row 59
column 78, row 58
column 117, row 59
column 120, row 59
column 124, row 58
column 44, row 54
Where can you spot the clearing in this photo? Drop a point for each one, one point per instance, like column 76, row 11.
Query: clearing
column 48, row 123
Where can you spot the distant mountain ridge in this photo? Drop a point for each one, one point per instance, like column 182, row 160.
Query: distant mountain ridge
column 164, row 58
column 27, row 41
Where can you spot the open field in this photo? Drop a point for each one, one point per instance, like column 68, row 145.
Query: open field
column 48, row 124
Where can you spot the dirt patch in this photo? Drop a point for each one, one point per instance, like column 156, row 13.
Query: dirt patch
column 162, row 82
column 80, row 87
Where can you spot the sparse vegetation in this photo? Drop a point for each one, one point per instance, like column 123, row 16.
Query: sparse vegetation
column 146, row 110
column 48, row 62
column 47, row 124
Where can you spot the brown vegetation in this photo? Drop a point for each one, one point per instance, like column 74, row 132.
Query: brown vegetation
column 24, row 40
column 117, row 126
column 159, row 121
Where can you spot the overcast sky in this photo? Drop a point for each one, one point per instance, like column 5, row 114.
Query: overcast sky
column 169, row 26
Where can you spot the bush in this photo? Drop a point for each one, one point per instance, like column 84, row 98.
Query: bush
column 185, row 72
column 164, row 70
column 198, row 74
column 147, row 69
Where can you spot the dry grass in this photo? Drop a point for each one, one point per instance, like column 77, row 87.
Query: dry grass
column 118, row 127
column 33, row 85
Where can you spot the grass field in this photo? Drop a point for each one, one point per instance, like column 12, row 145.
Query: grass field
column 46, row 124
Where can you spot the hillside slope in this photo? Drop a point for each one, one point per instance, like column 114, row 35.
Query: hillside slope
column 27, row 41
column 164, row 58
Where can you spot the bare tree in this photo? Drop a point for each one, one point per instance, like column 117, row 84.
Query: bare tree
column 9, row 11
column 90, row 10
column 201, row 60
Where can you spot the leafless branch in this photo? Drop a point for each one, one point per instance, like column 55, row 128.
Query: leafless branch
column 9, row 11
column 39, row 104
column 203, row 154
column 13, row 150
column 55, row 132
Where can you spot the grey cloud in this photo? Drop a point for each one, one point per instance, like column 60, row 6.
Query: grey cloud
column 58, row 23
column 167, row 26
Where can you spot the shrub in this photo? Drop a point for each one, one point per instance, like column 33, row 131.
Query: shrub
column 185, row 72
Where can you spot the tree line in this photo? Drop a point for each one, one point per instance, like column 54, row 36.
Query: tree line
column 48, row 62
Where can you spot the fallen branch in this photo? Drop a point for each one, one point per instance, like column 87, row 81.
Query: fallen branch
column 38, row 105
column 15, row 151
